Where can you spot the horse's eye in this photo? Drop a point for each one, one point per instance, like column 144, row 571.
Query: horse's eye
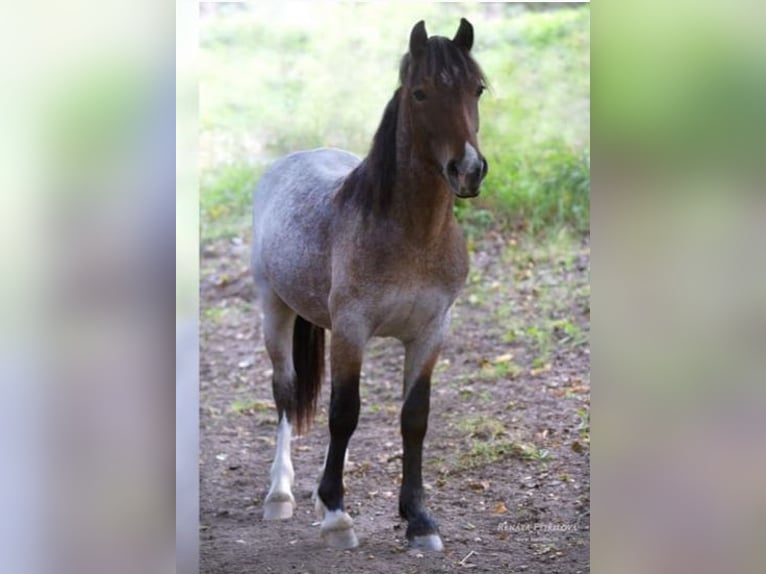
column 419, row 95
column 480, row 91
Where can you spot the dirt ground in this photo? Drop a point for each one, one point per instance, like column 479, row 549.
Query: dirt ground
column 506, row 458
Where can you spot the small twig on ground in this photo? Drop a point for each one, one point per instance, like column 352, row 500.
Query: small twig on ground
column 466, row 557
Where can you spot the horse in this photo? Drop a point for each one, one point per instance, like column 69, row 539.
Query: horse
column 369, row 248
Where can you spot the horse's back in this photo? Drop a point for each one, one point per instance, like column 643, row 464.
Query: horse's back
column 292, row 212
column 304, row 178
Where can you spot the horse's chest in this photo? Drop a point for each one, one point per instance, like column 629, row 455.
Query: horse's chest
column 406, row 311
column 402, row 292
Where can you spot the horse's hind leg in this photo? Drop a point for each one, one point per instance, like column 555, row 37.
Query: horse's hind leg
column 346, row 363
column 421, row 355
column 278, row 324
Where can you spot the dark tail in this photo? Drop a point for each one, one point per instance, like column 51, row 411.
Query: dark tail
column 308, row 358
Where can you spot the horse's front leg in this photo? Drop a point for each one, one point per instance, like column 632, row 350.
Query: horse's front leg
column 420, row 358
column 346, row 363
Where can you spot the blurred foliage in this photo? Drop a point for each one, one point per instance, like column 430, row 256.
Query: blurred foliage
column 225, row 201
column 697, row 92
column 274, row 80
column 93, row 116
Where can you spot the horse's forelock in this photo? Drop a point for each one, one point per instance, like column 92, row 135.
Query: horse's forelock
column 443, row 61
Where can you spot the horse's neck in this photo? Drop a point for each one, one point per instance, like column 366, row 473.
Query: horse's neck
column 421, row 202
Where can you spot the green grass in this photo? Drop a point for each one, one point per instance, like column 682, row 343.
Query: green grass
column 503, row 370
column 583, row 428
column 481, row 427
column 274, row 80
column 547, row 316
column 484, row 452
column 551, row 317
column 540, row 190
column 241, row 407
column 489, row 442
column 225, row 199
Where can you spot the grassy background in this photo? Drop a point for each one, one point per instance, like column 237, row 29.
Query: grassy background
column 275, row 78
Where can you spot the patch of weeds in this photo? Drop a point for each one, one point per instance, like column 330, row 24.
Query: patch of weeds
column 225, row 197
column 504, row 312
column 475, row 222
column 543, row 337
column 214, row 313
column 489, row 452
column 542, row 340
column 513, row 334
column 541, row 189
column 475, row 277
column 502, row 370
column 583, row 429
column 481, row 427
column 483, row 452
column 250, row 407
column 477, row 298
column 531, row 452
column 441, row 367
column 569, row 332
column 582, row 298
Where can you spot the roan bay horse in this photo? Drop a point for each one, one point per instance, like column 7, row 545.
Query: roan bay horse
column 369, row 248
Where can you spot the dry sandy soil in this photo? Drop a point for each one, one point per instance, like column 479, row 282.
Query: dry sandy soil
column 507, row 452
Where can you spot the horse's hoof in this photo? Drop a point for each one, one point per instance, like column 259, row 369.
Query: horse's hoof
column 278, row 506
column 428, row 542
column 337, row 530
column 341, row 539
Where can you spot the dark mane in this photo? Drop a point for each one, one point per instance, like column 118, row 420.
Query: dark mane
column 370, row 184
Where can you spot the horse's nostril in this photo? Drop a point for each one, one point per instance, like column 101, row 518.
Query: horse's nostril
column 484, row 168
column 452, row 168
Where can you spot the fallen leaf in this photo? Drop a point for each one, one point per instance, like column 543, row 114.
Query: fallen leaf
column 544, row 369
column 479, row 485
column 500, row 508
column 504, row 358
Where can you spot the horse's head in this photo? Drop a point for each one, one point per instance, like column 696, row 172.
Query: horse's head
column 441, row 86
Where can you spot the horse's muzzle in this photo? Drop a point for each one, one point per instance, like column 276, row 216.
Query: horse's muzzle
column 467, row 183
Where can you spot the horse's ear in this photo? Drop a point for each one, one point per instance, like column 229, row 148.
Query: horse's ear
column 418, row 39
column 464, row 36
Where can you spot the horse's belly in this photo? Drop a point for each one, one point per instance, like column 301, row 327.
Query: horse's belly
column 304, row 286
